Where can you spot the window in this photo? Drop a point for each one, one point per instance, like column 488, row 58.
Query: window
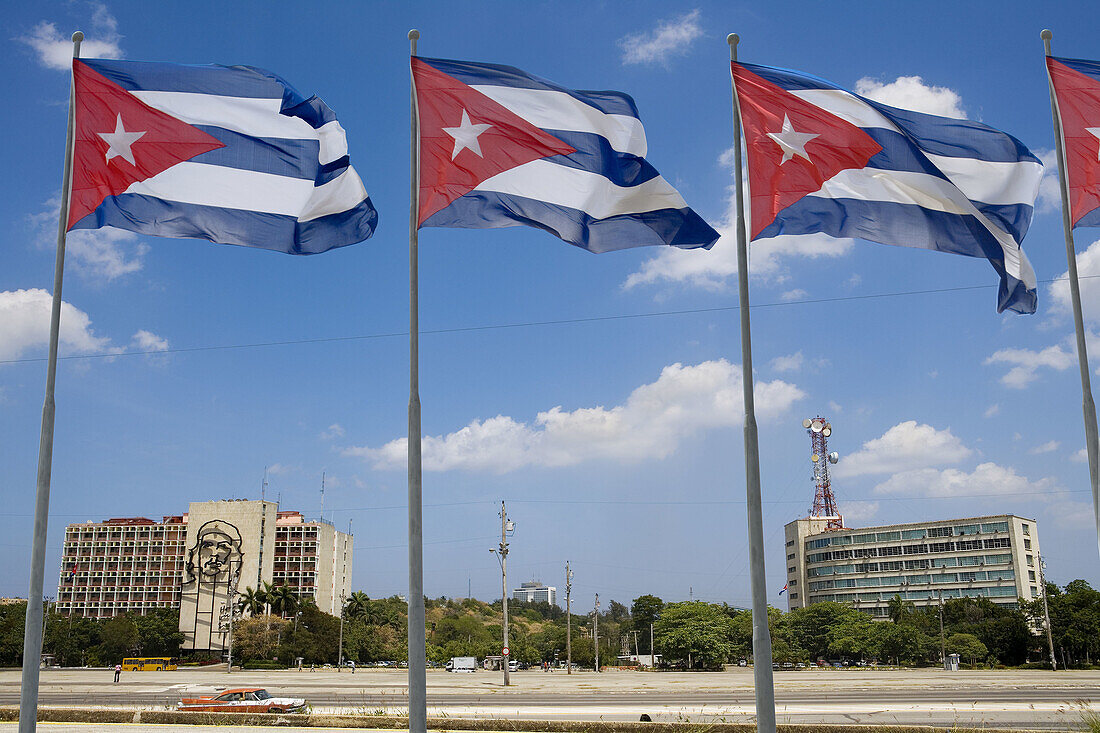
column 887, row 536
column 1027, row 544
column 791, row 569
column 1031, row 575
column 793, row 595
column 1027, row 528
column 1034, row 592
column 892, row 565
column 939, row 531
column 995, row 527
column 966, row 529
column 1030, row 560
column 968, row 545
column 817, row 544
column 941, row 547
column 916, row 564
column 842, row 540
column 790, row 543
column 914, row 549
column 996, row 542
column 793, row 582
column 791, row 556
column 888, row 551
column 975, row 560
column 862, row 538
column 913, row 534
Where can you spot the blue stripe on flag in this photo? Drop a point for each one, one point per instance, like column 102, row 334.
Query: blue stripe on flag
column 1091, row 219
column 487, row 209
column 469, row 72
column 595, row 154
column 907, row 225
column 1083, row 66
column 280, row 156
column 260, row 230
column 229, row 81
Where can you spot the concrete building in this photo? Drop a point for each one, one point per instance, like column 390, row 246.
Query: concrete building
column 197, row 561
column 995, row 557
column 535, row 592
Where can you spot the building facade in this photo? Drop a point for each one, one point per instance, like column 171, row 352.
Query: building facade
column 535, row 593
column 198, row 561
column 994, row 557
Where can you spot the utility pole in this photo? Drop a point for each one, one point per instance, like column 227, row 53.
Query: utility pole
column 636, row 652
column 596, row 631
column 652, row 651
column 568, row 620
column 943, row 644
column 340, row 644
column 502, row 557
column 1046, row 614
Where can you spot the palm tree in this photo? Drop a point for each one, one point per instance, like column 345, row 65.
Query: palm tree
column 358, row 605
column 283, row 600
column 250, row 600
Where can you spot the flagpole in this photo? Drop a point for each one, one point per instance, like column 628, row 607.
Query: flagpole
column 1092, row 447
column 761, row 636
column 32, row 632
column 418, row 684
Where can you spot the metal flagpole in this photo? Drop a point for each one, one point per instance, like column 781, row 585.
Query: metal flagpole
column 418, row 684
column 761, row 636
column 32, row 633
column 1087, row 404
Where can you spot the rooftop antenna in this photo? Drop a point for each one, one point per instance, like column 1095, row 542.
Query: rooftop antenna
column 322, row 496
column 263, row 486
column 819, row 430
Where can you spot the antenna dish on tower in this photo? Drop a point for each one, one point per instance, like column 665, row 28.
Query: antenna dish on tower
column 806, row 422
column 826, row 431
column 834, row 457
column 824, row 506
column 817, row 426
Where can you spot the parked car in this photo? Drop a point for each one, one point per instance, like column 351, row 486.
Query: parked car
column 243, row 700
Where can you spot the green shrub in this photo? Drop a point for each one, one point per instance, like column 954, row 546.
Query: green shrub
column 262, row 664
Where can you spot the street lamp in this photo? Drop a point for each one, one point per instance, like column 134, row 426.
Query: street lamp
column 506, row 528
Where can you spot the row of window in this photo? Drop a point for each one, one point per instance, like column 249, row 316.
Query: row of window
column 921, row 564
column 964, row 577
column 898, row 550
column 908, row 534
column 920, row 595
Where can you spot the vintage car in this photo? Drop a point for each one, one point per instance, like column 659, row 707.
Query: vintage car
column 243, row 700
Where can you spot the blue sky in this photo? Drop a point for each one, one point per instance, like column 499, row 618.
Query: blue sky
column 616, row 442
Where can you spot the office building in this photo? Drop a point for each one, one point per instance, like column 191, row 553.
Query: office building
column 994, row 557
column 199, row 560
column 535, row 592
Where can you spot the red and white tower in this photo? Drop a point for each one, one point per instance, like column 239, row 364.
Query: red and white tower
column 825, row 506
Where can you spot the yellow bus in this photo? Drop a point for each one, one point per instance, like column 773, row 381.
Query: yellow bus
column 148, row 664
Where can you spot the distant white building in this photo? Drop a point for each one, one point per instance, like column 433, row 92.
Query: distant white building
column 535, row 592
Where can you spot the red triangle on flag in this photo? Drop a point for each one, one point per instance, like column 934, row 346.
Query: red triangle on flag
column 467, row 138
column 793, row 146
column 119, row 140
column 1079, row 107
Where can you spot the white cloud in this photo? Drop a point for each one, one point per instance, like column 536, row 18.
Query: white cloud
column 1026, row 363
column 859, row 511
column 148, row 341
column 651, row 423
column 992, row 410
column 910, row 92
column 55, row 50
column 277, row 469
column 854, row 281
column 985, row 479
column 796, row 294
column 25, row 325
column 1048, row 447
column 1050, row 195
column 834, row 407
column 336, row 430
column 789, row 363
column 1088, row 274
column 906, row 446
column 1081, row 456
column 96, row 254
column 670, row 38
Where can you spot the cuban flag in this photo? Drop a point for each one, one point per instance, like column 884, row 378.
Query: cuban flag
column 784, row 590
column 232, row 154
column 822, row 159
column 500, row 147
column 1076, row 86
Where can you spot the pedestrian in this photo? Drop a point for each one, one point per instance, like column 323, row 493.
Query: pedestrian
column 351, row 663
column 118, row 671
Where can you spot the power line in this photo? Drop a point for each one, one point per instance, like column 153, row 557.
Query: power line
column 519, row 324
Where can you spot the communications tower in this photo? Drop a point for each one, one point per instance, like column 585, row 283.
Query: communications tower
column 825, row 506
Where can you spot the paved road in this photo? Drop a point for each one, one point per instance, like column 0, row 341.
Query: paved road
column 932, row 697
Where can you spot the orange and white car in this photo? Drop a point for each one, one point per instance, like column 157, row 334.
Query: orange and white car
column 243, row 700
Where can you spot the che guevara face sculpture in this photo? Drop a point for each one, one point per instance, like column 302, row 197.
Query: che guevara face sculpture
column 216, row 550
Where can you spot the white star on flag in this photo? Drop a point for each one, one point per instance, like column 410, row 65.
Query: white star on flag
column 466, row 135
column 792, row 143
column 1095, row 131
column 120, row 142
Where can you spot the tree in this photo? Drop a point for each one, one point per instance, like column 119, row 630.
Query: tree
column 120, row 638
column 250, row 601
column 358, row 606
column 967, row 646
column 283, row 600
column 696, row 632
column 899, row 609
column 813, row 629
column 257, row 638
column 643, row 612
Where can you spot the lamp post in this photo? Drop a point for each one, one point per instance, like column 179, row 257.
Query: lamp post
column 506, row 526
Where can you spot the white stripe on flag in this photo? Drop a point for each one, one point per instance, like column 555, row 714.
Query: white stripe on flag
column 990, row 181
column 928, row 192
column 334, row 142
column 340, row 194
column 248, row 116
column 845, row 106
column 228, row 188
column 583, row 190
column 560, row 111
